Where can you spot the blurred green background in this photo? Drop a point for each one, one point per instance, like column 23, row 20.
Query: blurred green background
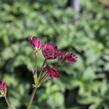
column 82, row 85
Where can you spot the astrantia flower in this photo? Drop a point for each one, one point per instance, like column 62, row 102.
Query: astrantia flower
column 49, row 51
column 3, row 89
column 52, row 72
column 35, row 42
column 70, row 58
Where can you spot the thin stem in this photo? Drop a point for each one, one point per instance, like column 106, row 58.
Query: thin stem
column 35, row 64
column 44, row 78
column 35, row 70
column 41, row 70
column 43, row 65
column 7, row 101
column 32, row 97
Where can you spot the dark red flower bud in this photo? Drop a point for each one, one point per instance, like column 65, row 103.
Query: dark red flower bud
column 52, row 72
column 35, row 42
column 3, row 86
column 3, row 89
column 70, row 58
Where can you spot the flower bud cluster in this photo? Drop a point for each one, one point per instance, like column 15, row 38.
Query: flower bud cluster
column 50, row 52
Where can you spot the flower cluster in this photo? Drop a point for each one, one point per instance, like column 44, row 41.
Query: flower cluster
column 50, row 52
column 3, row 89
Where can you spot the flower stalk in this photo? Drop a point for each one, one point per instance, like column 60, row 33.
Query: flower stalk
column 7, row 102
column 32, row 97
column 35, row 70
column 40, row 74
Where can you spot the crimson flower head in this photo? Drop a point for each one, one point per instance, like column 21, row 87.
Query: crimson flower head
column 3, row 89
column 70, row 58
column 52, row 72
column 35, row 42
column 49, row 51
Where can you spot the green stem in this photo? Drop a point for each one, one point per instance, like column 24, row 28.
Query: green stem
column 32, row 97
column 44, row 78
column 36, row 64
column 35, row 71
column 41, row 70
column 7, row 102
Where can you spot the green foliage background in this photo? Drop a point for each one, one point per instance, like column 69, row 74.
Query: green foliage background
column 83, row 85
